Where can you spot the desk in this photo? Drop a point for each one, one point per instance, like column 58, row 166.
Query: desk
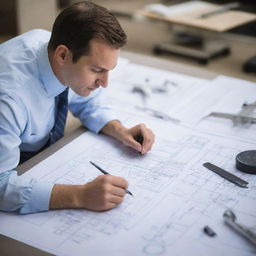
column 201, row 50
column 217, row 23
column 10, row 247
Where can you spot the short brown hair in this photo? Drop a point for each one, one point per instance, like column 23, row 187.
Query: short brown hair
column 78, row 24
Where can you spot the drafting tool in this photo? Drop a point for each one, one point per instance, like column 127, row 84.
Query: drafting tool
column 236, row 118
column 230, row 220
column 245, row 116
column 144, row 92
column 164, row 87
column 104, row 172
column 157, row 114
column 226, row 175
column 146, row 89
column 209, row 231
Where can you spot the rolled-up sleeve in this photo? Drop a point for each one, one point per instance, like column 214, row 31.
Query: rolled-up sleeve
column 93, row 111
column 22, row 194
column 17, row 193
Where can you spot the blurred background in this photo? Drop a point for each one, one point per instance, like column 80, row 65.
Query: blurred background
column 19, row 16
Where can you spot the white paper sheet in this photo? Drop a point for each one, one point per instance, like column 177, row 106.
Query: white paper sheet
column 231, row 94
column 178, row 9
column 165, row 90
column 186, row 98
column 174, row 195
column 174, row 198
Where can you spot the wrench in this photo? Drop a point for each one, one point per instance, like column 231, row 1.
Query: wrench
column 230, row 220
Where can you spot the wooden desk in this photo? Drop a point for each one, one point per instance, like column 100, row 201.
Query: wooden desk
column 191, row 19
column 10, row 247
column 218, row 22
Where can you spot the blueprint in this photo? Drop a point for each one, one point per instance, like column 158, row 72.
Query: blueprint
column 154, row 88
column 174, row 198
column 185, row 98
column 230, row 94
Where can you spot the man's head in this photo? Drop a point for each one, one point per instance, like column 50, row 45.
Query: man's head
column 82, row 22
column 84, row 46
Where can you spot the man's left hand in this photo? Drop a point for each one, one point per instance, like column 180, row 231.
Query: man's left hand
column 138, row 137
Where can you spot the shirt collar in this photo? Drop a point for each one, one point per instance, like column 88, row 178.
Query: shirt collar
column 52, row 85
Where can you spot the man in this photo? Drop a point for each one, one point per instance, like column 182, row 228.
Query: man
column 36, row 71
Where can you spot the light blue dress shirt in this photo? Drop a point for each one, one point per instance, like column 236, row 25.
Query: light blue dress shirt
column 28, row 88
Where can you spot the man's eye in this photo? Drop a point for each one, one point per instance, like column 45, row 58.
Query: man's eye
column 97, row 70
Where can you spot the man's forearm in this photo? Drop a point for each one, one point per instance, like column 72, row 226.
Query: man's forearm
column 103, row 193
column 65, row 197
column 114, row 129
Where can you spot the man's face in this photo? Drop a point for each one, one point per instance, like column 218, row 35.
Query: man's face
column 91, row 71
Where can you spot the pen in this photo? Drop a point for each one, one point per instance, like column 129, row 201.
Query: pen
column 104, row 172
column 139, row 138
column 226, row 175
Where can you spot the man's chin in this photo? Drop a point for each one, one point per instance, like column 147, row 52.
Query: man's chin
column 85, row 92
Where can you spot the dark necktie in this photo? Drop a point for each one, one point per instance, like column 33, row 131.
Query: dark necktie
column 61, row 116
column 58, row 128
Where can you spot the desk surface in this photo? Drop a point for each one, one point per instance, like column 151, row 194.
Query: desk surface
column 219, row 22
column 10, row 247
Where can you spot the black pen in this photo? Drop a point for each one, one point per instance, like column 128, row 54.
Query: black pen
column 104, row 172
column 139, row 138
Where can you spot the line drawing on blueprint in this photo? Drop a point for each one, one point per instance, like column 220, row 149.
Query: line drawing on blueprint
column 148, row 180
column 204, row 195
column 174, row 198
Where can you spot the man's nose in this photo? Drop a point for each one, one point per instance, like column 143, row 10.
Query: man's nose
column 104, row 80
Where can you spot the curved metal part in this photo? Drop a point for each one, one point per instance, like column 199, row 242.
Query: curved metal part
column 229, row 215
column 230, row 220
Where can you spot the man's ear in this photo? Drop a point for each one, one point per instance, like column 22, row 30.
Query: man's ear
column 62, row 54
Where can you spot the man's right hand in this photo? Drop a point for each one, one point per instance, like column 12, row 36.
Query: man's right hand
column 103, row 193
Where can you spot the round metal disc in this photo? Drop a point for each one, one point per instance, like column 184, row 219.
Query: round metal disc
column 246, row 161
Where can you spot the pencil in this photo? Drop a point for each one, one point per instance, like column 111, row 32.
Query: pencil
column 104, row 172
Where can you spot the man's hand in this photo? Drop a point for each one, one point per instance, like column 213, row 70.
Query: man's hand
column 103, row 193
column 138, row 137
